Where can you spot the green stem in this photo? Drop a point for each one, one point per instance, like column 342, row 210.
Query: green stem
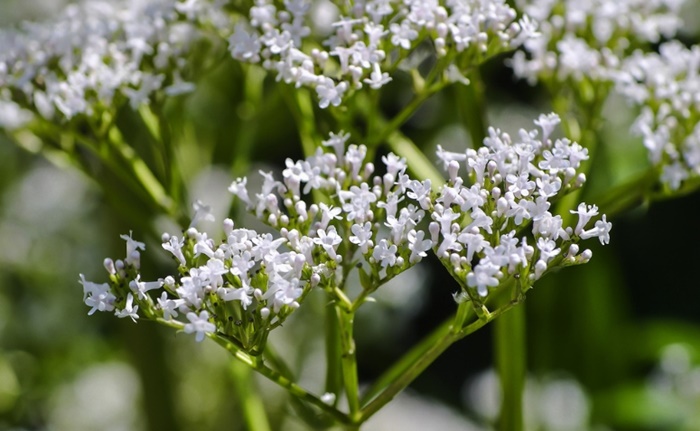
column 334, row 376
column 415, row 362
column 252, row 408
column 403, row 116
column 471, row 105
column 279, row 379
column 629, row 194
column 142, row 172
column 305, row 120
column 509, row 346
column 349, row 360
column 250, row 121
column 406, row 361
column 410, row 373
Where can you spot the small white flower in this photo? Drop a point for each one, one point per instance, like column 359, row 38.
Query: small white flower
column 199, row 324
column 129, row 309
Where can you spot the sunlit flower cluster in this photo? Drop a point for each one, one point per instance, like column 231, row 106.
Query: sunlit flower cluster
column 97, row 54
column 241, row 286
column 482, row 226
column 375, row 216
column 246, row 284
column 364, row 41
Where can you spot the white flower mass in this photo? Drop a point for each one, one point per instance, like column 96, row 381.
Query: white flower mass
column 480, row 228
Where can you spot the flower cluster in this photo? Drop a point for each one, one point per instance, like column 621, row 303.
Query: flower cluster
column 378, row 215
column 241, row 287
column 370, row 38
column 667, row 87
column 247, row 284
column 587, row 39
column 480, row 228
column 98, row 53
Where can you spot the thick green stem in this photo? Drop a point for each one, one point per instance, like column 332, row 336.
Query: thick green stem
column 252, row 408
column 334, row 375
column 250, row 121
column 509, row 345
column 349, row 360
column 471, row 106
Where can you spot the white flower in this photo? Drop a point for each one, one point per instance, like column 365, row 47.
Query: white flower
column 129, row 310
column 199, row 325
column 329, row 93
column 132, row 250
column 601, row 230
column 362, row 236
column 329, row 240
column 97, row 296
column 140, row 288
column 585, row 213
column 418, row 246
column 385, row 254
column 483, row 277
column 357, row 202
column 169, row 306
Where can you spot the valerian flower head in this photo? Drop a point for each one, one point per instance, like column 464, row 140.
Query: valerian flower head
column 481, row 231
column 245, row 284
column 366, row 39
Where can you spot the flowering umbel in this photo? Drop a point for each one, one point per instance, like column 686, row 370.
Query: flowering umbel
column 489, row 228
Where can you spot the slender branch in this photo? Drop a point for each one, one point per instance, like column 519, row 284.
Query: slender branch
column 280, row 380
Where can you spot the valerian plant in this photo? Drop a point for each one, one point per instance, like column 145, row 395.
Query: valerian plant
column 507, row 211
column 237, row 289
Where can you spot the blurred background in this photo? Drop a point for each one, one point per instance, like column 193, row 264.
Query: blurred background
column 614, row 344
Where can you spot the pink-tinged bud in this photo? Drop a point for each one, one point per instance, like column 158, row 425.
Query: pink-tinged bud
column 540, row 268
column 586, row 256
column 369, row 169
column 284, row 220
column 109, row 266
column 453, row 170
column 228, row 226
column 272, row 220
column 434, row 229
